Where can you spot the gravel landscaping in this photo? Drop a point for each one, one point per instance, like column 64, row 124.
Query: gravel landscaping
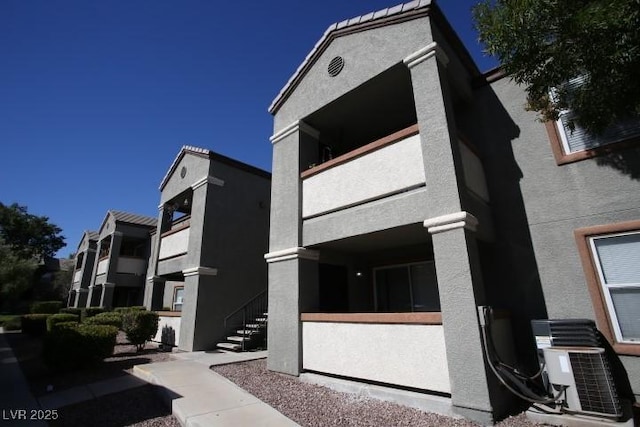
column 312, row 405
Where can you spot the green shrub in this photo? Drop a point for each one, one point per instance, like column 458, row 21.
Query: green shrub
column 58, row 325
column 134, row 308
column 46, row 307
column 34, row 324
column 101, row 339
column 72, row 310
column 59, row 318
column 140, row 326
column 108, row 318
column 70, row 346
column 10, row 322
column 90, row 312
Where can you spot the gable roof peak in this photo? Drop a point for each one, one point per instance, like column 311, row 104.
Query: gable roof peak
column 365, row 20
column 184, row 150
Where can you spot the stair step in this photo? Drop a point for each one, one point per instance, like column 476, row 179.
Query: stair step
column 235, row 338
column 261, row 319
column 229, row 346
column 246, row 332
column 253, row 326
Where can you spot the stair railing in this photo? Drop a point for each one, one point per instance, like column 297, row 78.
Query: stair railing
column 253, row 309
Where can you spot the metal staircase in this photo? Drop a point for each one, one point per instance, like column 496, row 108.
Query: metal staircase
column 246, row 328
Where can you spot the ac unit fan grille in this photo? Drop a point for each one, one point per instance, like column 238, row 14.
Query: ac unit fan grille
column 594, row 383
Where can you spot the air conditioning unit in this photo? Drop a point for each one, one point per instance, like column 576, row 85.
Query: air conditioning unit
column 585, row 376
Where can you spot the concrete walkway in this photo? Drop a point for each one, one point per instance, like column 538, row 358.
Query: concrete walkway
column 18, row 407
column 15, row 394
column 200, row 397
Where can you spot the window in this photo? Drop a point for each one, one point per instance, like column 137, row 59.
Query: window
column 406, row 288
column 571, row 146
column 178, row 298
column 611, row 256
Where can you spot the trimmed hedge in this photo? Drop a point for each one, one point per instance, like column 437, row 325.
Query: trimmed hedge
column 108, row 318
column 60, row 318
column 72, row 310
column 10, row 323
column 134, row 308
column 34, row 324
column 140, row 326
column 69, row 346
column 90, row 312
column 46, row 307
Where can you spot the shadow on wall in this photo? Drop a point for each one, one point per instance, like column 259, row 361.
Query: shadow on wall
column 626, row 161
column 510, row 271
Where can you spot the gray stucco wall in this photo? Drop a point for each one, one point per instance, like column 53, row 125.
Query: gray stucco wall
column 366, row 54
column 196, row 168
column 235, row 239
column 559, row 199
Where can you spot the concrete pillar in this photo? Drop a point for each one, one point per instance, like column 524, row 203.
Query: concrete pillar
column 81, row 297
column 474, row 390
column 201, row 324
column 461, row 292
column 94, row 296
column 154, row 293
column 114, row 255
column 106, row 299
column 293, row 269
column 293, row 289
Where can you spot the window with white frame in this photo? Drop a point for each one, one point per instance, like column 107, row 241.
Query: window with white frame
column 406, row 288
column 617, row 261
column 178, row 298
column 578, row 139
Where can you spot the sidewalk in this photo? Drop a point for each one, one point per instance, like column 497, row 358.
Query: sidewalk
column 200, row 397
column 18, row 407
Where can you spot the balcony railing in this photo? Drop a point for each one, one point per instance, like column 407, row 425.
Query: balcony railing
column 404, row 349
column 380, row 169
column 103, row 264
column 131, row 265
column 174, row 242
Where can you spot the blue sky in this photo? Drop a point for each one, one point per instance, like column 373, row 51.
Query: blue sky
column 98, row 97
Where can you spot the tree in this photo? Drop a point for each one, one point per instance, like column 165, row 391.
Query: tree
column 29, row 236
column 543, row 44
column 16, row 276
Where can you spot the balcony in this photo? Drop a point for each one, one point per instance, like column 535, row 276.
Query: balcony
column 380, row 169
column 388, row 166
column 131, row 265
column 103, row 265
column 406, row 349
column 175, row 242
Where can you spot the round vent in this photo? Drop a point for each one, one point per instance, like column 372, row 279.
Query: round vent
column 183, row 172
column 335, row 66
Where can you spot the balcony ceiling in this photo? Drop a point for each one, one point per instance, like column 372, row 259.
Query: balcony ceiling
column 408, row 235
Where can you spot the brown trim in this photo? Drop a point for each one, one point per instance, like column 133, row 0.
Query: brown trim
column 175, row 230
column 169, row 313
column 434, row 318
column 593, row 283
column 361, row 151
column 173, row 256
column 562, row 158
column 181, row 220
